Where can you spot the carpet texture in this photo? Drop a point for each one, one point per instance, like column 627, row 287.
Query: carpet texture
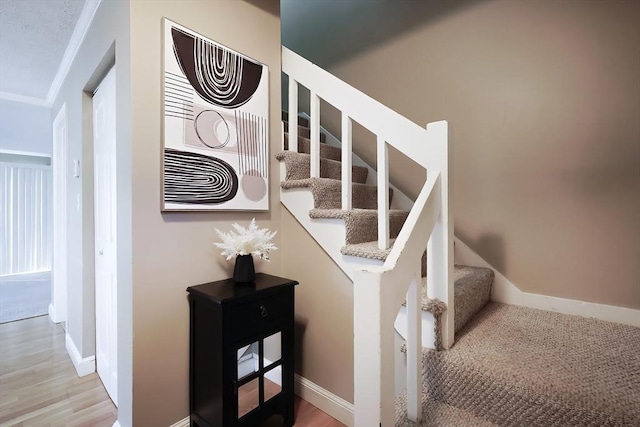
column 473, row 286
column 298, row 167
column 25, row 295
column 510, row 366
column 437, row 414
column 515, row 366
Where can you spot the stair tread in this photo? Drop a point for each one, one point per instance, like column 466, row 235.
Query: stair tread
column 298, row 167
column 466, row 280
column 306, row 182
column 520, row 366
column 305, row 132
column 326, row 151
column 435, row 413
column 367, row 250
column 341, row 214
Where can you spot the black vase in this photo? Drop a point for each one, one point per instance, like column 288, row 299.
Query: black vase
column 244, row 271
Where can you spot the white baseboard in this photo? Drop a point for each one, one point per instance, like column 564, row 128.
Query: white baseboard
column 185, row 422
column 505, row 291
column 52, row 313
column 324, row 400
column 84, row 365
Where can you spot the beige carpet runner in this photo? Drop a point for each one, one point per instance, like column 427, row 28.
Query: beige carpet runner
column 516, row 366
column 510, row 366
column 472, row 285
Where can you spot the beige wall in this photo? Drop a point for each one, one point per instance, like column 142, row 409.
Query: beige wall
column 324, row 311
column 95, row 57
column 543, row 99
column 172, row 251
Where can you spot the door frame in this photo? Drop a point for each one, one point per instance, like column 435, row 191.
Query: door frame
column 60, row 165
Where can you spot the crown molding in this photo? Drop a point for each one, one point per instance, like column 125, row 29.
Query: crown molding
column 79, row 33
column 31, row 100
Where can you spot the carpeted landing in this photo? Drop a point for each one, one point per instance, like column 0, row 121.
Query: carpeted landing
column 510, row 366
column 24, row 295
column 516, row 366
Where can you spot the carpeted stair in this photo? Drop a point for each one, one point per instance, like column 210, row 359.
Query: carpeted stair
column 472, row 285
column 517, row 366
column 510, row 366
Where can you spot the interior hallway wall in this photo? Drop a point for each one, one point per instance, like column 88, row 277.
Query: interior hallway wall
column 172, row 251
column 543, row 100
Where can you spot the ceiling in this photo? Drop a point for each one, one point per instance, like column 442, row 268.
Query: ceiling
column 34, row 35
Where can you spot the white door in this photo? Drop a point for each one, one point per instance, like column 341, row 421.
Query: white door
column 104, row 188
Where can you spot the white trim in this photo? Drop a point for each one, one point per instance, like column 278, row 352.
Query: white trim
column 84, row 365
column 505, row 291
column 52, row 314
column 25, row 153
column 59, row 164
column 23, row 99
column 116, row 424
column 185, row 422
column 79, row 33
column 324, row 400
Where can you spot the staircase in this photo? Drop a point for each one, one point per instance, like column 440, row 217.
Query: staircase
column 511, row 365
column 472, row 285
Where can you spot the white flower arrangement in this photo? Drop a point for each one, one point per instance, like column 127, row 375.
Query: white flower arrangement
column 247, row 241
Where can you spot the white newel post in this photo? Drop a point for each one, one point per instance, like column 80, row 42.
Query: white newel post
column 440, row 246
column 373, row 391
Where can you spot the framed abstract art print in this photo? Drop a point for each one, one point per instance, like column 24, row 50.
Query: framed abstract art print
column 215, row 127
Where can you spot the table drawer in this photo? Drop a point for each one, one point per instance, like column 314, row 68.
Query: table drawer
column 252, row 317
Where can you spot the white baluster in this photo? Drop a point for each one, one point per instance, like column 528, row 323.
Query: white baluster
column 293, row 114
column 383, row 194
column 315, row 135
column 347, row 178
column 414, row 348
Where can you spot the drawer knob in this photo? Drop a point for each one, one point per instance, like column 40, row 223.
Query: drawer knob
column 263, row 311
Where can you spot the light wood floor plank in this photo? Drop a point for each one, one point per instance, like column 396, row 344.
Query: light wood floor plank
column 39, row 385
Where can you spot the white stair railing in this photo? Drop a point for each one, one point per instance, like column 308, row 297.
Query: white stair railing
column 379, row 291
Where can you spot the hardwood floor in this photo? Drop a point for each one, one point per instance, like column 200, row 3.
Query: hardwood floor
column 39, row 385
column 305, row 414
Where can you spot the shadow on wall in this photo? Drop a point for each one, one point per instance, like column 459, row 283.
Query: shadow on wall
column 299, row 328
column 327, row 32
column 492, row 248
column 269, row 6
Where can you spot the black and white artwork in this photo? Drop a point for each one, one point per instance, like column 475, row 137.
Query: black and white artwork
column 216, row 130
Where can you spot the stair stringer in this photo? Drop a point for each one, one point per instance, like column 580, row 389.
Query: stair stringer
column 329, row 233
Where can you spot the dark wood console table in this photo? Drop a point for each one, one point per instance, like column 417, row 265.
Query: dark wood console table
column 241, row 352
